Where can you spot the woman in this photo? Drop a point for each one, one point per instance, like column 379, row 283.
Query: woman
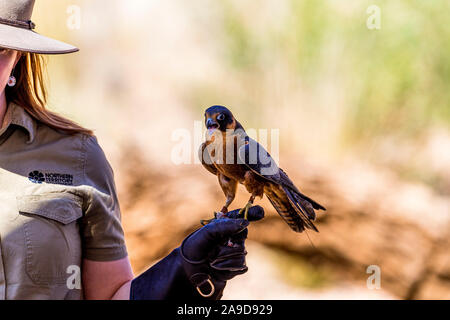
column 60, row 230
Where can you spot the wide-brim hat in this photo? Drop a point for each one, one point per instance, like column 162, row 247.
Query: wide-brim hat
column 16, row 30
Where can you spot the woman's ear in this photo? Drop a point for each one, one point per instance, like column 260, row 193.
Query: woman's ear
column 18, row 56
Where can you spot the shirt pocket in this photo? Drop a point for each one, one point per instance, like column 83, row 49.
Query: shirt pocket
column 51, row 234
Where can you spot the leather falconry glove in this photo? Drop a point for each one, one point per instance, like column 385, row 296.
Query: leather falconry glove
column 201, row 266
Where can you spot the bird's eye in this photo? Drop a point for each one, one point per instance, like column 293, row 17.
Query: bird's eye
column 221, row 117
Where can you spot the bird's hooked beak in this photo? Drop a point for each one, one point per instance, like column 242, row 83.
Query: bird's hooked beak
column 212, row 126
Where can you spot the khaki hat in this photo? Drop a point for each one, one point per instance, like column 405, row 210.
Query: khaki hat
column 16, row 30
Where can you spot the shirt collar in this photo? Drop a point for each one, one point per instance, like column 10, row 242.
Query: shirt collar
column 19, row 116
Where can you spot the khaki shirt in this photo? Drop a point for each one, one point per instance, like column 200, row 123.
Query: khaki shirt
column 58, row 205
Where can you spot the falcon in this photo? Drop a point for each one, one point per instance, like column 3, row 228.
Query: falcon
column 231, row 155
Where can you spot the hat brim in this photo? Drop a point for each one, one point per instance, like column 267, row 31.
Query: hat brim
column 29, row 41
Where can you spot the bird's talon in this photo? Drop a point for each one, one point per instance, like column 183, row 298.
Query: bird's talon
column 245, row 210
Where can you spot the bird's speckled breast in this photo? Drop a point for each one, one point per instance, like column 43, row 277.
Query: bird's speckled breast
column 223, row 150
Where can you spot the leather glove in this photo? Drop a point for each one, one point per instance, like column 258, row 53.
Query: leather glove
column 200, row 267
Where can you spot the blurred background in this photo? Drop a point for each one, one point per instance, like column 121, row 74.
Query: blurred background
column 359, row 96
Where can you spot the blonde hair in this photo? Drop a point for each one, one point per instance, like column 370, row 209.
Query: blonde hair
column 30, row 92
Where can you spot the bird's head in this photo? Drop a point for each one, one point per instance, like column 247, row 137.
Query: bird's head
column 219, row 118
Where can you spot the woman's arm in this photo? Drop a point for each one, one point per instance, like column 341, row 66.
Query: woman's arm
column 109, row 280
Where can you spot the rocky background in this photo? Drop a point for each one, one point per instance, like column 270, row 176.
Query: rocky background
column 405, row 233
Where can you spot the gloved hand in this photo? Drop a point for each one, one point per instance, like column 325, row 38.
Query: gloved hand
column 200, row 267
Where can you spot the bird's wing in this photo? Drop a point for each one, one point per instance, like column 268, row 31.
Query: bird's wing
column 294, row 207
column 258, row 160
column 205, row 159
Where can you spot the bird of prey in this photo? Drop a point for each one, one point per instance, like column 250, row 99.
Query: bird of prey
column 231, row 155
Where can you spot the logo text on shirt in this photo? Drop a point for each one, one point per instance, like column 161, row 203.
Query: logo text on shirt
column 52, row 178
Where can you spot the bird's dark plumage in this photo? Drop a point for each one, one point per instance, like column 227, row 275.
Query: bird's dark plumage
column 235, row 158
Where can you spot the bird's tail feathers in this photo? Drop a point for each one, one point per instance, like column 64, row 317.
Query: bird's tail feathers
column 291, row 218
column 303, row 207
column 288, row 183
column 314, row 204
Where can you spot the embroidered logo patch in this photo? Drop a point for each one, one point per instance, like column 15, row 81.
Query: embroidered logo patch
column 52, row 178
column 36, row 177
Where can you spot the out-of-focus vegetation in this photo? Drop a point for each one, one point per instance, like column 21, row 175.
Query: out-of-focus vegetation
column 299, row 271
column 310, row 68
column 393, row 80
column 314, row 70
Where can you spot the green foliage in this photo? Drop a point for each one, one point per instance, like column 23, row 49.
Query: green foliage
column 297, row 271
column 394, row 80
